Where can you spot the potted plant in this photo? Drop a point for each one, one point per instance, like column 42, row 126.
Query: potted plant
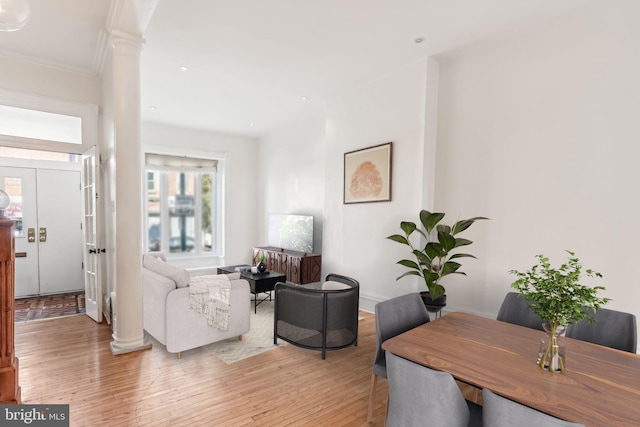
column 559, row 299
column 435, row 259
column 262, row 267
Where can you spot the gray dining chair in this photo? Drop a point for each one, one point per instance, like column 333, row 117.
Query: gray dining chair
column 393, row 317
column 615, row 329
column 420, row 396
column 515, row 309
column 498, row 411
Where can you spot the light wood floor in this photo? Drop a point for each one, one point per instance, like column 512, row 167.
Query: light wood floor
column 69, row 361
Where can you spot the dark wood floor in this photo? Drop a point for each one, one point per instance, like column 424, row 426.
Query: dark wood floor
column 69, row 361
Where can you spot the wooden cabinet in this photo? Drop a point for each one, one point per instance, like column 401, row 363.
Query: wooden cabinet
column 9, row 388
column 298, row 267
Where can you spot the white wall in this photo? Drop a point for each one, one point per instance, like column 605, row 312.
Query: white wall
column 390, row 108
column 540, row 133
column 47, row 81
column 241, row 183
column 292, row 173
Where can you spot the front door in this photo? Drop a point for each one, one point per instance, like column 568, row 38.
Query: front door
column 47, row 205
column 20, row 184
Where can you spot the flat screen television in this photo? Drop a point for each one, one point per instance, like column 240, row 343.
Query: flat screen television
column 292, row 232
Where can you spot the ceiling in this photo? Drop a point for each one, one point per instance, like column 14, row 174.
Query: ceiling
column 256, row 64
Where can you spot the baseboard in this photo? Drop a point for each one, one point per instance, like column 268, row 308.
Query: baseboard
column 106, row 309
column 368, row 302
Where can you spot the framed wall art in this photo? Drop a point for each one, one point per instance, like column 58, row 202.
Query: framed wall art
column 367, row 174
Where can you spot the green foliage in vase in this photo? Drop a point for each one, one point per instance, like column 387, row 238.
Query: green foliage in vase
column 557, row 296
column 435, row 259
column 556, row 293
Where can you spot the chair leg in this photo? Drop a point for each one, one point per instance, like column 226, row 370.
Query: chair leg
column 374, row 381
column 179, row 355
column 240, row 338
column 386, row 411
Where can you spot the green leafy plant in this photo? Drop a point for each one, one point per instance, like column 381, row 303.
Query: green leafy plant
column 559, row 299
column 435, row 259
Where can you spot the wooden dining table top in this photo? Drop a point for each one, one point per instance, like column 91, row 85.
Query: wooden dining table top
column 600, row 386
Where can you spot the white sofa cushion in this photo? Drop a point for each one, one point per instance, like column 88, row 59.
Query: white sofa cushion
column 177, row 274
column 331, row 285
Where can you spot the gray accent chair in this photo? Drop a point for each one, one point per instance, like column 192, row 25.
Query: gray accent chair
column 393, row 317
column 500, row 412
column 323, row 317
column 420, row 396
column 516, row 310
column 615, row 329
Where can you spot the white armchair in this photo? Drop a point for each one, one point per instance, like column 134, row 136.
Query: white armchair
column 166, row 313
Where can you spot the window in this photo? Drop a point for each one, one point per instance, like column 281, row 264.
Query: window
column 151, row 182
column 183, row 205
column 40, row 125
column 13, row 187
column 21, row 153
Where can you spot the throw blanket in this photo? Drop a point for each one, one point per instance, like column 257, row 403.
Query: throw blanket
column 210, row 295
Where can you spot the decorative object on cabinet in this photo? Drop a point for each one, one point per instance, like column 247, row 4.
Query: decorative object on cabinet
column 367, row 174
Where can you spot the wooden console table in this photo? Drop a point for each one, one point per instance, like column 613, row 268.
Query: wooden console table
column 9, row 388
column 298, row 267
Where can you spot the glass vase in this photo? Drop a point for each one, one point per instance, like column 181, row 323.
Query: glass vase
column 551, row 353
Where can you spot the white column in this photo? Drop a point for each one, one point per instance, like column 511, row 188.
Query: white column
column 128, row 332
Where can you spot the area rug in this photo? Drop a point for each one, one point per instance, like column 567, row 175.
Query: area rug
column 49, row 306
column 258, row 340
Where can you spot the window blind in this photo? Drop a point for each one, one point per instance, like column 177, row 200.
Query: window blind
column 179, row 162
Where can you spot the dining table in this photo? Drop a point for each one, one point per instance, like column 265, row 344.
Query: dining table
column 600, row 386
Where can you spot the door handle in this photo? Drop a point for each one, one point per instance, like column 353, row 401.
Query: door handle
column 31, row 235
column 43, row 234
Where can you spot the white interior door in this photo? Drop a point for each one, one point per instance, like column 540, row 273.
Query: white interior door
column 92, row 251
column 20, row 184
column 59, row 231
column 48, row 237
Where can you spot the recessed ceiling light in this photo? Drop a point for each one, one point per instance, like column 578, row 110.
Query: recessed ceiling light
column 419, row 40
column 184, row 68
column 251, row 124
column 152, row 107
column 304, row 98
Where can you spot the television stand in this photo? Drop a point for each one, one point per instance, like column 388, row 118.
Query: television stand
column 298, row 267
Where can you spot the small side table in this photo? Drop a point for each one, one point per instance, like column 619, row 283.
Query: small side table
column 259, row 282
